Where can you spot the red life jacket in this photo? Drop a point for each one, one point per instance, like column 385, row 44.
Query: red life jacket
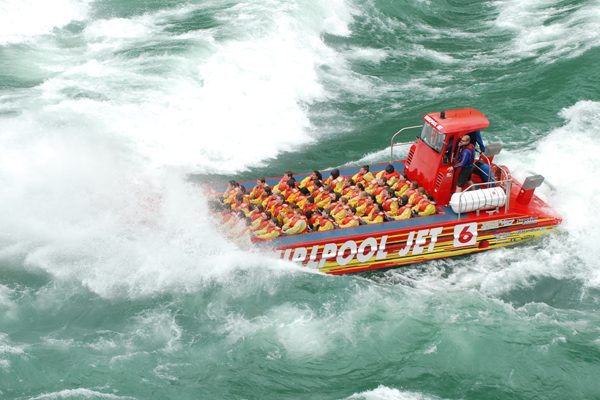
column 310, row 207
column 256, row 192
column 361, row 202
column 409, row 192
column 379, row 214
column 289, row 192
column 402, row 209
column 417, row 198
column 323, row 221
column 272, row 228
column 423, row 205
column 348, row 219
column 254, row 215
column 387, row 175
column 263, row 225
column 387, row 204
column 369, row 209
column 271, row 203
column 295, row 220
column 279, row 209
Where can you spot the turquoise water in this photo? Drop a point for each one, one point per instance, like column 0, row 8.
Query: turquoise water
column 114, row 283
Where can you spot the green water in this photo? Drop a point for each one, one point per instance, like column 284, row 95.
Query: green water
column 114, row 283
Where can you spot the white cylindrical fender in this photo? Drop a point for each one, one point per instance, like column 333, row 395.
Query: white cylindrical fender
column 480, row 199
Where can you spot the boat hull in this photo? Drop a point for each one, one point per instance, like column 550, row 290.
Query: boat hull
column 364, row 251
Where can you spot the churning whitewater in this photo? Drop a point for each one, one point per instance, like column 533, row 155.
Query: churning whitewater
column 115, row 282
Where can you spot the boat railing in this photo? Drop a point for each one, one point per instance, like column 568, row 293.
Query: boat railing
column 504, row 183
column 392, row 144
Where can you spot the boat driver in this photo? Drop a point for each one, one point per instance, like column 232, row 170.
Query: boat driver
column 466, row 158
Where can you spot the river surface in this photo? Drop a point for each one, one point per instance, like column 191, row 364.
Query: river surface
column 115, row 283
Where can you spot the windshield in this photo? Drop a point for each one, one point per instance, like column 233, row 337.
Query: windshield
column 433, row 137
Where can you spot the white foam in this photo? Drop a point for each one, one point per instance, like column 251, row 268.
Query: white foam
column 386, row 393
column 24, row 20
column 9, row 349
column 567, row 158
column 93, row 167
column 365, row 54
column 547, row 29
column 79, row 393
column 118, row 28
column 8, row 308
column 299, row 331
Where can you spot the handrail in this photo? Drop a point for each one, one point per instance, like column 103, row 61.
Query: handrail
column 392, row 144
column 506, row 188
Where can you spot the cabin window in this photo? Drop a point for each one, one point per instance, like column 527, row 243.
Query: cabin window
column 433, row 137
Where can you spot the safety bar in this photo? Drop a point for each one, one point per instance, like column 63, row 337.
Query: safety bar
column 392, row 144
column 507, row 189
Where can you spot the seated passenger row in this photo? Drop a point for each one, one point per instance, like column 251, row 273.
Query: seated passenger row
column 314, row 204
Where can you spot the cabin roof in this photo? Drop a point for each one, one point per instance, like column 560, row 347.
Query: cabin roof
column 459, row 120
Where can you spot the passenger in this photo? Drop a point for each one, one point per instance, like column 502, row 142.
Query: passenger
column 239, row 203
column 309, row 204
column 363, row 176
column 272, row 231
column 425, row 207
column 282, row 185
column 411, row 190
column 257, row 190
column 404, row 210
column 465, row 162
column 354, row 194
column 312, row 218
column 318, row 191
column 351, row 220
column 335, row 181
column 325, row 222
column 378, row 193
column 389, row 203
column 298, row 224
column 417, row 196
column 266, row 192
column 231, row 186
column 306, row 185
column 374, row 185
column 389, row 174
column 257, row 216
column 345, row 187
column 377, row 216
column 340, row 209
column 360, row 201
column 401, row 186
column 261, row 224
column 366, row 209
column 280, row 209
column 327, row 198
column 291, row 193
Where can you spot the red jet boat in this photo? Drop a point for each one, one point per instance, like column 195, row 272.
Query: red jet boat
column 491, row 213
